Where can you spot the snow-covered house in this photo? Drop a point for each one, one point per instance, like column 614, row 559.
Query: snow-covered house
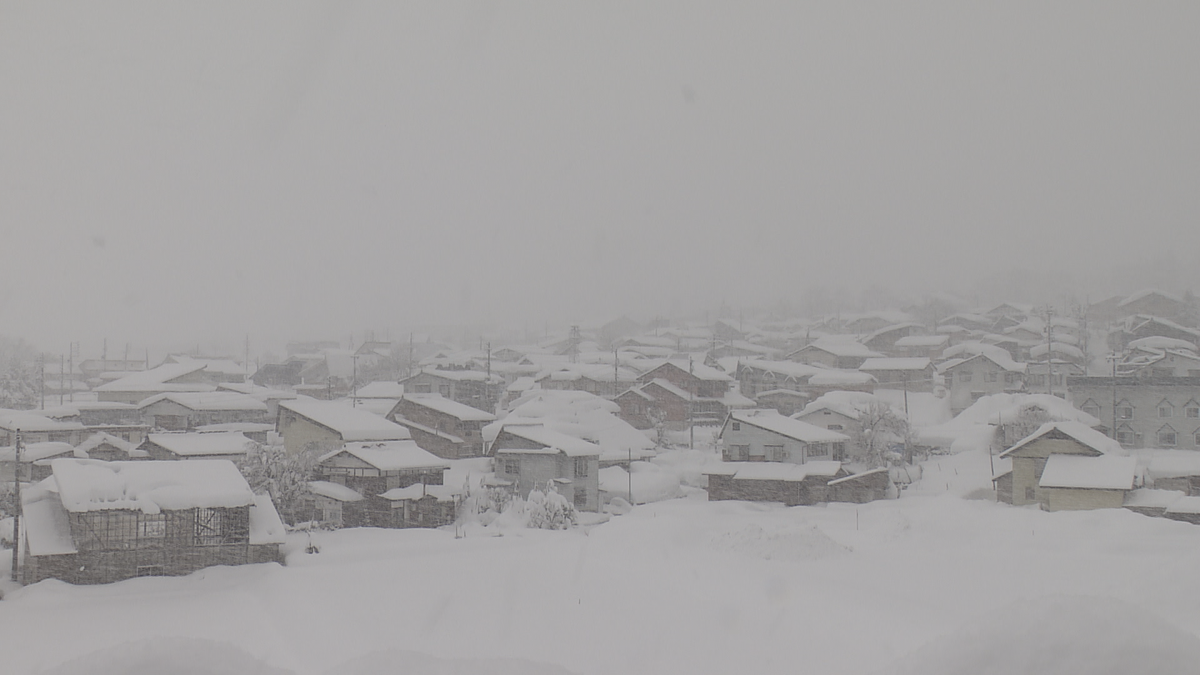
column 35, row 460
column 169, row 377
column 928, row 346
column 109, row 448
column 914, row 373
column 306, row 422
column 180, row 411
column 470, row 387
column 990, row 371
column 97, row 522
column 35, row 428
column 834, row 354
column 766, row 436
column 531, row 457
column 1068, row 466
column 442, row 426
column 375, row 468
column 788, row 484
column 231, row 445
column 1150, row 412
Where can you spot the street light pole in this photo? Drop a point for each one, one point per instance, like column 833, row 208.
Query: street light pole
column 16, row 542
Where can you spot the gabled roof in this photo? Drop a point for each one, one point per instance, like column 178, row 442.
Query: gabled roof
column 450, row 407
column 923, row 341
column 28, row 421
column 1004, row 364
column 149, row 380
column 385, row 389
column 201, row 445
column 390, row 455
column 782, row 471
column 91, row 485
column 694, row 368
column 100, row 438
column 1085, row 435
column 546, row 440
column 1146, row 293
column 776, row 423
column 352, row 424
column 898, row 363
column 208, row 401
column 1108, row 472
column 840, row 348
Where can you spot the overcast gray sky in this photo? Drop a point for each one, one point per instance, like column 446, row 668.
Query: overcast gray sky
column 182, row 172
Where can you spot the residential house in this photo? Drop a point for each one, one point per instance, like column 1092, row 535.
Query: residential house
column 834, row 354
column 884, row 340
column 1067, row 466
column 35, row 460
column 373, row 469
column 786, row 402
column 531, row 457
column 470, row 387
column 786, row 483
column 123, row 420
column 928, row 346
column 442, row 426
column 603, row 380
column 766, row 436
column 105, row 446
column 180, row 411
column 756, row 376
column 308, row 423
column 1150, row 412
column 35, row 428
column 99, row 522
column 231, row 445
column 169, row 377
column 910, row 373
column 973, row 377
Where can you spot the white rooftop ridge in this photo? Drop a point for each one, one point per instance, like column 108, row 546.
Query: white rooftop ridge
column 783, row 471
column 149, row 486
column 208, row 400
column 194, row 444
column 774, row 422
column 352, row 424
column 548, row 441
column 403, row 455
column 449, row 407
column 1076, row 430
column 1107, row 472
column 896, row 363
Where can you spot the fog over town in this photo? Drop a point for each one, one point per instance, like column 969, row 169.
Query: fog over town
column 470, row 337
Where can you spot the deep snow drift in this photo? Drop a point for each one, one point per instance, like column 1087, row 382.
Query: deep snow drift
column 930, row 583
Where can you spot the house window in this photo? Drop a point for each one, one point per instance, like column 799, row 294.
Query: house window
column 964, row 376
column 835, row 427
column 737, row 426
column 774, row 453
column 839, row 451
column 1029, row 494
column 1166, row 437
column 1010, row 378
column 992, row 377
column 739, row 452
column 1092, row 410
column 1192, row 412
column 818, row 450
column 512, row 467
column 444, row 390
column 1196, row 438
column 1125, row 412
column 1164, row 411
column 581, row 467
column 1125, row 437
column 151, row 571
column 580, row 499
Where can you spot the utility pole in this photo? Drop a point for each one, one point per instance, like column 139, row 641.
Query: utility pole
column 1049, row 350
column 691, row 412
column 410, row 354
column 489, row 364
column 16, row 560
column 1113, row 357
column 71, row 370
column 62, row 378
column 42, row 368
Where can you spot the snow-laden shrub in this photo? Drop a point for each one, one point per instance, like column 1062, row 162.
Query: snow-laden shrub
column 549, row 510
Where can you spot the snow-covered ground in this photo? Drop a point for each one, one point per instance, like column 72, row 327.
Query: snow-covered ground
column 932, row 583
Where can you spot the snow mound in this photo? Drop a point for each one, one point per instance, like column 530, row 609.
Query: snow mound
column 399, row 661
column 177, row 656
column 1060, row 635
column 788, row 544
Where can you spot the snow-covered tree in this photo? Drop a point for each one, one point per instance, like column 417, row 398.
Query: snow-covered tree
column 271, row 469
column 882, row 428
column 20, row 374
column 549, row 510
column 1029, row 420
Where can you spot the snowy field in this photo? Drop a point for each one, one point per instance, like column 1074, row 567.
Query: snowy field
column 934, row 582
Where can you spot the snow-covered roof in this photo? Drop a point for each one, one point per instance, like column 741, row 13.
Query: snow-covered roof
column 1150, row 498
column 772, row 421
column 783, row 471
column 442, row 493
column 36, row 452
column 385, row 389
column 860, row 474
column 154, row 378
column 695, row 368
column 898, row 363
column 996, row 355
column 449, row 407
column 462, row 375
column 848, row 403
column 999, row 408
column 548, row 440
column 923, row 341
column 1145, row 293
column 336, row 491
column 100, row 438
column 210, row 400
column 352, row 424
column 1108, row 472
column 842, row 348
column 259, row 392
column 1186, row 504
column 28, row 421
column 1173, row 464
column 416, row 426
column 192, row 444
column 1076, row 430
column 91, row 485
column 46, row 524
column 403, row 455
column 1070, row 351
column 832, row 376
column 266, row 527
column 1158, row 342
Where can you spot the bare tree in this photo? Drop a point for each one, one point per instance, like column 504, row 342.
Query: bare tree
column 20, row 374
column 271, row 469
column 882, row 428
